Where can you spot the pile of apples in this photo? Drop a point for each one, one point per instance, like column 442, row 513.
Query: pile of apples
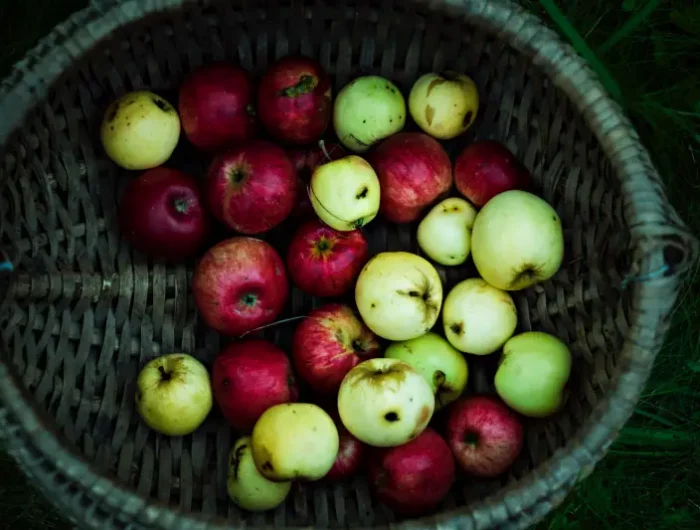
column 376, row 372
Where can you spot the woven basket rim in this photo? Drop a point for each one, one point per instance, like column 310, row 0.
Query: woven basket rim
column 654, row 226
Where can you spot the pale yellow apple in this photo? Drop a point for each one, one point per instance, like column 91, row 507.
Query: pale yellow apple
column 399, row 295
column 140, row 130
column 295, row 441
column 345, row 193
column 173, row 394
column 434, row 358
column 385, row 402
column 445, row 233
column 517, row 241
column 246, row 486
column 533, row 372
column 444, row 105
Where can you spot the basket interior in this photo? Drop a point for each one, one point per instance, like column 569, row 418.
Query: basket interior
column 86, row 311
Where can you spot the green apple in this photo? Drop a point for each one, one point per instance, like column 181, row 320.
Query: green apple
column 345, row 193
column 517, row 241
column 140, row 130
column 434, row 358
column 385, row 402
column 445, row 233
column 444, row 105
column 246, row 486
column 533, row 372
column 294, row 441
column 399, row 295
column 478, row 318
column 173, row 394
column 368, row 110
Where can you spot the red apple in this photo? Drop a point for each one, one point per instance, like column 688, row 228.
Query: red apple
column 252, row 188
column 485, row 436
column 294, row 100
column 413, row 478
column 161, row 214
column 351, row 456
column 328, row 344
column 239, row 285
column 323, row 261
column 217, row 106
column 486, row 168
column 414, row 171
column 249, row 377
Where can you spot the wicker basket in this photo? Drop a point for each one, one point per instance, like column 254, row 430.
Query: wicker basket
column 82, row 312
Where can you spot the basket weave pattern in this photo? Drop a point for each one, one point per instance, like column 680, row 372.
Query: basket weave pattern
column 82, row 312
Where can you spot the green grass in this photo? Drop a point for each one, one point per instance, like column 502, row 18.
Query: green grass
column 647, row 53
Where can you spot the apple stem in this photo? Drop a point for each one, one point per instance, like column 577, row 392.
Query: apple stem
column 165, row 376
column 181, row 205
column 272, row 324
column 322, row 145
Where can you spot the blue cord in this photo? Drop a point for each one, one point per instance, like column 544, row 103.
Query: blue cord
column 6, row 266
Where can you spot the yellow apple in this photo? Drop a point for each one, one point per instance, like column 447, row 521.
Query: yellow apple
column 445, row 233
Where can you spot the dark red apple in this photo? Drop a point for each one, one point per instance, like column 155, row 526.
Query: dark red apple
column 217, row 106
column 328, row 344
column 161, row 214
column 294, row 100
column 351, row 456
column 484, row 434
column 486, row 168
column 413, row 478
column 249, row 377
column 252, row 188
column 239, row 285
column 414, row 171
column 323, row 261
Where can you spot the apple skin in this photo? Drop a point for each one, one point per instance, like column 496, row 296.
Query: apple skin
column 533, row 373
column 351, row 457
column 517, row 241
column 251, row 188
column 445, row 234
column 325, row 262
column 140, row 130
column 161, row 214
column 294, row 100
column 250, row 376
column 385, row 402
column 239, row 285
column 486, row 168
column 485, row 436
column 443, row 367
column 246, row 487
column 173, row 394
column 217, row 106
column 414, row 478
column 328, row 344
column 414, row 170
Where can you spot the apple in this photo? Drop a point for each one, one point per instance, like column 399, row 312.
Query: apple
column 294, row 100
column 413, row 170
column 532, row 373
column 173, row 394
column 217, row 106
column 485, row 436
column 345, row 193
column 443, row 367
column 328, row 344
column 517, row 241
column 399, row 295
column 295, row 441
column 414, row 478
column 445, row 234
column 252, row 188
column 246, row 486
column 351, row 456
column 140, row 130
column 239, row 285
column 444, row 105
column 486, row 168
column 385, row 402
column 367, row 110
column 323, row 261
column 249, row 377
column 478, row 318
